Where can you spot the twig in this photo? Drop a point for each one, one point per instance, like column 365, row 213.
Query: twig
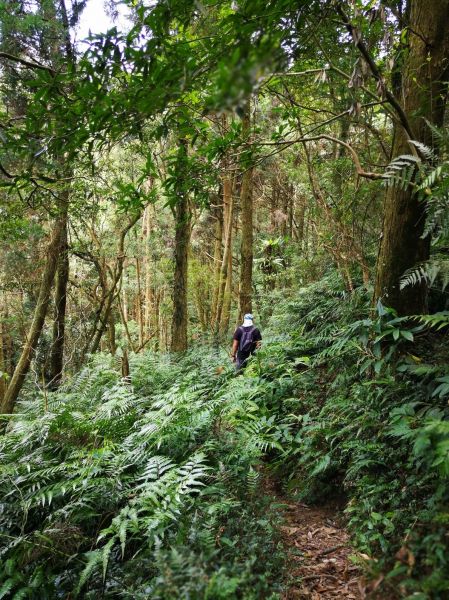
column 330, row 550
column 355, row 156
column 27, row 63
column 375, row 70
column 307, row 577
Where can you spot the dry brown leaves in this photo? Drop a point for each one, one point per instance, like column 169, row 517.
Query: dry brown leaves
column 319, row 551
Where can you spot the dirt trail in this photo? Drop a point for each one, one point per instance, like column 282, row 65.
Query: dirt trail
column 318, row 548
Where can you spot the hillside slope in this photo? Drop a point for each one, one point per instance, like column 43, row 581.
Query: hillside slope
column 152, row 488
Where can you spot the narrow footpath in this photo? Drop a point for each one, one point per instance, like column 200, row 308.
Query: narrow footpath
column 319, row 553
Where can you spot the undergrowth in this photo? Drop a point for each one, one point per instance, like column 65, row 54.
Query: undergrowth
column 151, row 487
column 371, row 421
column 140, row 488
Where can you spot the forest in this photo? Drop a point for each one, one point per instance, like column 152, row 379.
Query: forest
column 194, row 174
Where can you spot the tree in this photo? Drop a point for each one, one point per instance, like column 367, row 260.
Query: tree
column 181, row 211
column 40, row 312
column 419, row 97
column 52, row 45
column 246, row 220
column 62, row 279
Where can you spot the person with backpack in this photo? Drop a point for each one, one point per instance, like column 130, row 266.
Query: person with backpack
column 247, row 339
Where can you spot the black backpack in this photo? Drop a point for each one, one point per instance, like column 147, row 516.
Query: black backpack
column 246, row 341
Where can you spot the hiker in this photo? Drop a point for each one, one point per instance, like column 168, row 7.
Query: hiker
column 246, row 340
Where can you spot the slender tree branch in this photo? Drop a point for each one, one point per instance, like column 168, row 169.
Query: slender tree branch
column 355, row 157
column 5, row 172
column 375, row 70
column 27, row 63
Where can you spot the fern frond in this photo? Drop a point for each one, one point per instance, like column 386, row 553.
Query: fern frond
column 400, row 172
column 437, row 321
column 427, row 273
column 427, row 152
column 94, row 559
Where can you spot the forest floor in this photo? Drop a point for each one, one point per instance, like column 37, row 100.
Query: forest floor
column 318, row 552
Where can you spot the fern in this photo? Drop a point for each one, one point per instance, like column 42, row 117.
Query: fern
column 94, row 560
column 401, row 171
column 435, row 269
column 252, row 480
column 437, row 321
column 427, row 153
column 148, row 486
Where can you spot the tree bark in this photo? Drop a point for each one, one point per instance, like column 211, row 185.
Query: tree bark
column 246, row 220
column 291, row 210
column 274, row 203
column 227, row 297
column 148, row 304
column 182, row 240
column 140, row 316
column 125, row 364
column 111, row 334
column 40, row 312
column 157, row 319
column 57, row 349
column 423, row 92
column 228, row 204
column 3, row 372
column 217, row 258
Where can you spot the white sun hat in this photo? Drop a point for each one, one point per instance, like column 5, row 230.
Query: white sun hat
column 248, row 320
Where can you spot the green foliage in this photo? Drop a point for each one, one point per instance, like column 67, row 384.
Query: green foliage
column 148, row 487
column 367, row 416
column 152, row 486
column 428, row 174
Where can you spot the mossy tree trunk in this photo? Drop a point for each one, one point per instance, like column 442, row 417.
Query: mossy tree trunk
column 40, row 313
column 422, row 92
column 3, row 372
column 218, row 249
column 182, row 240
column 246, row 220
column 62, row 279
column 226, row 263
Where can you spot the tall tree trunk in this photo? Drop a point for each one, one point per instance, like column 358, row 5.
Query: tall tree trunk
column 423, row 92
column 182, row 239
column 291, row 210
column 228, row 210
column 301, row 215
column 148, row 304
column 8, row 344
column 125, row 364
column 111, row 293
column 62, row 279
column 111, row 334
column 140, row 316
column 227, row 297
column 40, row 312
column 217, row 257
column 3, row 371
column 200, row 298
column 246, row 220
column 157, row 319
column 274, row 203
column 125, row 323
